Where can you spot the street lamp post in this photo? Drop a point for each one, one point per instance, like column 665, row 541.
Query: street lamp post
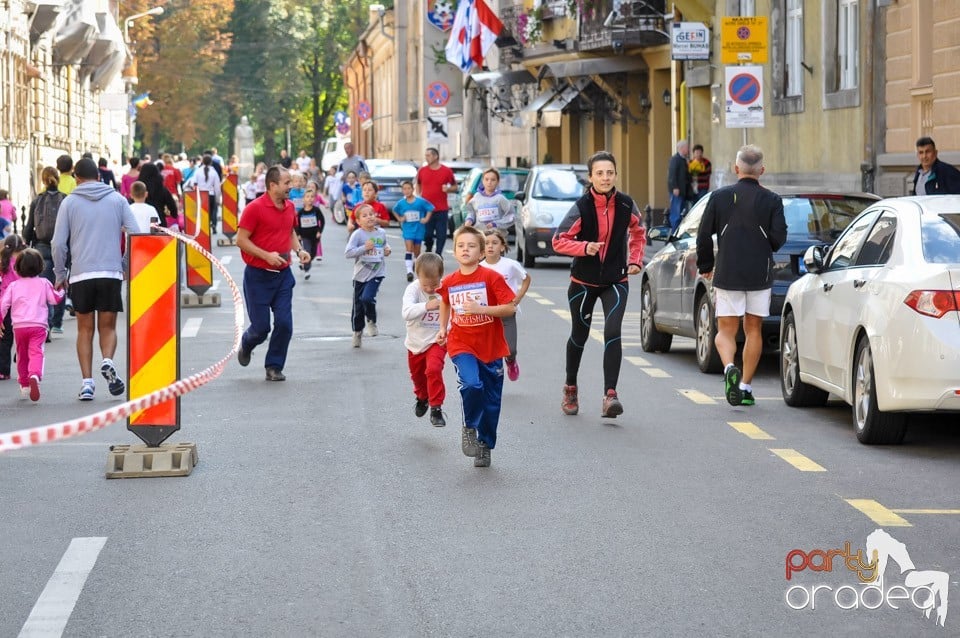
column 131, row 80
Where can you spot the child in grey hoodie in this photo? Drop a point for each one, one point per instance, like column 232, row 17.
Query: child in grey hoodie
column 489, row 208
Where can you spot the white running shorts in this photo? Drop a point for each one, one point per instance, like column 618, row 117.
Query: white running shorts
column 736, row 303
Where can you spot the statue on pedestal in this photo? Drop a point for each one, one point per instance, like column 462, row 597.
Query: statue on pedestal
column 243, row 146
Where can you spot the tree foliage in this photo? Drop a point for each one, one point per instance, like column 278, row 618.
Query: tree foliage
column 180, row 55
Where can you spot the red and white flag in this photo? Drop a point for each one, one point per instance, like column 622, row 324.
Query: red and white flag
column 475, row 29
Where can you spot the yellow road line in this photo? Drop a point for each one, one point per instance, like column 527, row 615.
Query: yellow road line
column 750, row 430
column 927, row 511
column 878, row 513
column 798, row 460
column 638, row 361
column 697, row 397
column 656, row 373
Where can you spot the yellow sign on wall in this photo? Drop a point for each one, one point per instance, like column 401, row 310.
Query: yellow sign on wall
column 744, row 40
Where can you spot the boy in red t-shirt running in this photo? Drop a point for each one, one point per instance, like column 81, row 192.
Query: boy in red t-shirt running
column 479, row 297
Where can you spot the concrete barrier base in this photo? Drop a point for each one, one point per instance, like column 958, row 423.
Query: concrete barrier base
column 227, row 241
column 141, row 461
column 189, row 298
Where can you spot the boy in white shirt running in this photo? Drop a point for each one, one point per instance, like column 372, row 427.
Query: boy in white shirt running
column 421, row 311
column 143, row 211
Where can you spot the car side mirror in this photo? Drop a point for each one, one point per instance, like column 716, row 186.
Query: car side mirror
column 813, row 259
column 659, row 233
column 520, row 197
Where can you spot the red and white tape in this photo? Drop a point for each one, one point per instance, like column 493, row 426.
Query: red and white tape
column 66, row 429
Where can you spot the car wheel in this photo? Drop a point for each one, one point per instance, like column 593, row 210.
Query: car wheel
column 795, row 392
column 708, row 359
column 873, row 426
column 524, row 256
column 651, row 339
column 339, row 214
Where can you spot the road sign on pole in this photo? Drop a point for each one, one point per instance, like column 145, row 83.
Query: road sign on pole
column 744, row 40
column 744, row 97
column 437, row 125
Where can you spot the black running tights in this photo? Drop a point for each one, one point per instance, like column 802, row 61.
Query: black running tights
column 582, row 301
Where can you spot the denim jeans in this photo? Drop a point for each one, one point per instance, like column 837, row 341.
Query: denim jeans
column 55, row 311
column 364, row 302
column 436, row 227
column 265, row 291
column 481, row 390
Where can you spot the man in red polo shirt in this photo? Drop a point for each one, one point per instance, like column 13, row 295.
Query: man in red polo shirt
column 266, row 236
column 434, row 181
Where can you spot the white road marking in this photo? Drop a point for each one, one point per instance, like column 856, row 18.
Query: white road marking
column 50, row 614
column 226, row 259
column 657, row 373
column 191, row 328
column 638, row 361
column 216, row 284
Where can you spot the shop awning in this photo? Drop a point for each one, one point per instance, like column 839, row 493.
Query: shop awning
column 593, row 66
column 76, row 33
column 43, row 13
column 110, row 51
column 490, row 79
column 540, row 101
column 563, row 99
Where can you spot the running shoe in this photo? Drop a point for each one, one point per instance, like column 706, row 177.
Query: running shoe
column 114, row 383
column 513, row 369
column 274, row 374
column 34, row 387
column 747, row 398
column 420, row 407
column 24, row 393
column 468, row 441
column 86, row 392
column 243, row 357
column 409, row 276
column 612, row 408
column 570, row 404
column 57, row 330
column 482, row 459
column 357, row 339
column 436, row 417
column 731, row 381
column 372, row 329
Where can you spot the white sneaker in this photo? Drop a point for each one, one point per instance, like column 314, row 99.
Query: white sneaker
column 24, row 393
column 357, row 338
column 372, row 329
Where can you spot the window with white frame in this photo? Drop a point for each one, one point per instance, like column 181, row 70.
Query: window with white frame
column 794, row 48
column 848, row 44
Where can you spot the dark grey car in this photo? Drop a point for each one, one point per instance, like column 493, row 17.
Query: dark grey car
column 676, row 300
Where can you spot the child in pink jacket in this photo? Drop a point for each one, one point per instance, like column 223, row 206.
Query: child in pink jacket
column 26, row 299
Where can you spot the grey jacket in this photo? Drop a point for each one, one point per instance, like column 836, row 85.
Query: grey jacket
column 87, row 235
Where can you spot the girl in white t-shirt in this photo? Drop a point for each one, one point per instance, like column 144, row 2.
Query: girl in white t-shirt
column 519, row 281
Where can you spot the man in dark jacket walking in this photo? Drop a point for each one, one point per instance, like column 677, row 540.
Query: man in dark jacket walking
column 679, row 183
column 749, row 224
column 934, row 177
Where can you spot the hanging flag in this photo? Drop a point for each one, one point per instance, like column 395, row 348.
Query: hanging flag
column 143, row 100
column 475, row 29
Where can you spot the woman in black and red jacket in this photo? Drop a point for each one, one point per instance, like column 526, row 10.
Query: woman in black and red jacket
column 604, row 234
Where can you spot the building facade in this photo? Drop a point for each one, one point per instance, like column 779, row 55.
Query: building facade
column 60, row 87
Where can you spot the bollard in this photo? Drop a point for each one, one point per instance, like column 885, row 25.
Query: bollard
column 153, row 361
column 228, row 211
column 199, row 269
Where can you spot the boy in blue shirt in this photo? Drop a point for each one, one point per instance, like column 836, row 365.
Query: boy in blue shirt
column 413, row 213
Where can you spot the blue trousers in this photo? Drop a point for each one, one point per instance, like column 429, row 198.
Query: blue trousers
column 364, row 302
column 265, row 291
column 481, row 390
column 677, row 206
column 436, row 227
column 55, row 311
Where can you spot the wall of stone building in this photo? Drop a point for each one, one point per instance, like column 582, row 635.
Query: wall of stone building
column 817, row 146
column 921, row 90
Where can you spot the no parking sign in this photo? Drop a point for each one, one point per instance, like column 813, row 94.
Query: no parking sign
column 744, row 96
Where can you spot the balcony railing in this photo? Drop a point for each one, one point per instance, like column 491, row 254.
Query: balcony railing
column 637, row 23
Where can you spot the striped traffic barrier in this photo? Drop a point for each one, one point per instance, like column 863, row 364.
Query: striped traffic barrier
column 28, row 437
column 228, row 210
column 199, row 270
column 153, row 333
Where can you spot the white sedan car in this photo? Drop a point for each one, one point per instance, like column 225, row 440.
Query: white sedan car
column 876, row 321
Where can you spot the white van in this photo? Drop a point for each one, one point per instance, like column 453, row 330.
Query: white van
column 333, row 152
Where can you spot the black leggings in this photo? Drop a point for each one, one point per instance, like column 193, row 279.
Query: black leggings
column 582, row 300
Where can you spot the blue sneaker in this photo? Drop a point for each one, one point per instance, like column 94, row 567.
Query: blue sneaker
column 114, row 382
column 86, row 392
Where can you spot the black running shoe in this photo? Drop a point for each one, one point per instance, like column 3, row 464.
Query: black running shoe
column 436, row 417
column 731, row 382
column 420, row 407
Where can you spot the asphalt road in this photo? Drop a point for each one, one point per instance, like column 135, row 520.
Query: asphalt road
column 322, row 507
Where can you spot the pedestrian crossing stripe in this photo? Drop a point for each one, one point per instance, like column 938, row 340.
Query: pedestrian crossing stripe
column 540, row 299
column 798, row 460
column 697, row 397
column 638, row 361
column 750, row 430
column 656, row 373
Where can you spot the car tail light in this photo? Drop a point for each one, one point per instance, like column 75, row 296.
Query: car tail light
column 934, row 303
